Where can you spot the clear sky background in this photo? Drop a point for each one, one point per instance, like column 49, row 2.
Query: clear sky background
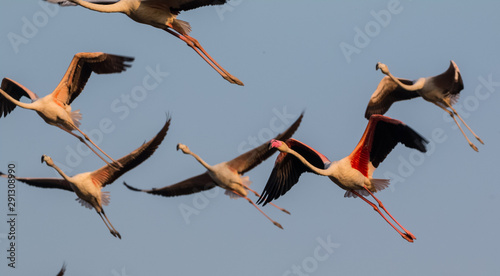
column 317, row 56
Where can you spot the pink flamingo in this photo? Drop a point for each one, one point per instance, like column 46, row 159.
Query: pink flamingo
column 87, row 186
column 55, row 108
column 161, row 14
column 227, row 175
column 442, row 90
column 352, row 173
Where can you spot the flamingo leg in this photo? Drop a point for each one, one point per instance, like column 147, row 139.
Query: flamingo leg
column 459, row 117
column 251, row 202
column 456, row 122
column 111, row 231
column 92, row 142
column 257, row 194
column 382, row 206
column 114, row 232
column 195, row 45
column 405, row 235
column 83, row 141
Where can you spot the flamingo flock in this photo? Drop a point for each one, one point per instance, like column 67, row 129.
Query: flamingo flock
column 353, row 173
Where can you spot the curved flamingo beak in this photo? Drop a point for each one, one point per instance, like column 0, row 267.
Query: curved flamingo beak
column 275, row 143
column 377, row 66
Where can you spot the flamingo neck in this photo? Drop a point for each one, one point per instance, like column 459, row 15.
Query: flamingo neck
column 419, row 84
column 16, row 102
column 120, row 6
column 67, row 178
column 202, row 162
column 309, row 165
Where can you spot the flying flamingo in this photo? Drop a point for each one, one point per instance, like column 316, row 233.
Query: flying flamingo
column 227, row 175
column 161, row 14
column 442, row 90
column 55, row 108
column 88, row 185
column 352, row 173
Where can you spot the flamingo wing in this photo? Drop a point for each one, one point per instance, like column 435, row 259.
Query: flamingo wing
column 386, row 94
column 450, row 82
column 381, row 135
column 109, row 173
column 288, row 169
column 80, row 69
column 16, row 91
column 185, row 5
column 61, row 272
column 50, row 183
column 65, row 3
column 192, row 185
column 254, row 157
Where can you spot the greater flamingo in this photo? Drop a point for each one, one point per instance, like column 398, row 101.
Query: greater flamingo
column 87, row 186
column 442, row 90
column 227, row 175
column 161, row 14
column 352, row 173
column 55, row 108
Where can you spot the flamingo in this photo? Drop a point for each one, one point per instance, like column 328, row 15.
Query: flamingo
column 442, row 90
column 55, row 108
column 161, row 14
column 227, row 175
column 87, row 186
column 352, row 173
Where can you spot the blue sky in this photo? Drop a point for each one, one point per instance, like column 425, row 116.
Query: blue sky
column 317, row 56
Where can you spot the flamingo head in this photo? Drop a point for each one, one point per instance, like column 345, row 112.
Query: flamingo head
column 47, row 160
column 382, row 68
column 183, row 147
column 277, row 144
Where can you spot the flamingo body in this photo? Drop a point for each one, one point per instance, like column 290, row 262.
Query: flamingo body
column 352, row 173
column 55, row 108
column 88, row 185
column 442, row 90
column 227, row 175
column 161, row 14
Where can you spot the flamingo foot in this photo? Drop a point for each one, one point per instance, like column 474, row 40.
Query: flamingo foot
column 286, row 211
column 407, row 237
column 116, row 234
column 277, row 224
column 479, row 139
column 473, row 147
column 232, row 79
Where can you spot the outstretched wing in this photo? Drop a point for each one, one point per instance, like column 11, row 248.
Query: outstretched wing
column 65, row 3
column 51, row 183
column 80, row 69
column 381, row 135
column 63, row 269
column 16, row 91
column 288, row 169
column 386, row 94
column 192, row 185
column 254, row 157
column 185, row 5
column 109, row 173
